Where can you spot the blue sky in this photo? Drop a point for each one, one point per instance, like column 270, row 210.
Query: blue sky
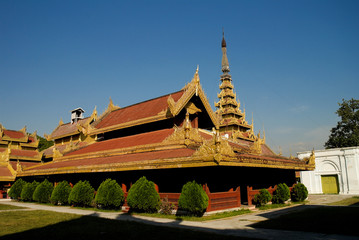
column 291, row 61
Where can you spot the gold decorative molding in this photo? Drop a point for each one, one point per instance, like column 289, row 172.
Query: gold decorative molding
column 56, row 153
column 61, row 122
column 185, row 134
column 5, row 155
column 23, row 130
column 215, row 148
column 1, row 130
column 311, row 159
column 111, row 107
column 256, row 148
column 19, row 167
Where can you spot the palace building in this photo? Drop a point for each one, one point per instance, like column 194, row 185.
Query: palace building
column 18, row 150
column 171, row 139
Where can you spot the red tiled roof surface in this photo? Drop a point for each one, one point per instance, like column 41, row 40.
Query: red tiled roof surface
column 24, row 164
column 145, row 156
column 23, row 153
column 206, row 135
column 31, row 140
column 138, row 111
column 123, row 142
column 3, row 149
column 5, row 172
column 61, row 148
column 266, row 150
column 67, row 129
column 14, row 134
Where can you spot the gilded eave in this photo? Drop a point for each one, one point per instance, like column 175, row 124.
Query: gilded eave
column 173, row 109
column 197, row 152
column 193, row 88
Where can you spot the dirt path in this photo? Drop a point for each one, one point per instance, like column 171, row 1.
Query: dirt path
column 323, row 199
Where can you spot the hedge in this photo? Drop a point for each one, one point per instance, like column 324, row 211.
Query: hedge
column 193, row 199
column 281, row 194
column 143, row 197
column 16, row 188
column 28, row 191
column 43, row 192
column 109, row 195
column 60, row 194
column 262, row 198
column 299, row 193
column 81, row 194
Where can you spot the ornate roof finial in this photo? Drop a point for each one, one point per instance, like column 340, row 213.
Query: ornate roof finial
column 223, row 41
column 196, row 75
column 225, row 64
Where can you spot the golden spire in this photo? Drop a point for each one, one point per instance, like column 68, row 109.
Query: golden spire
column 61, row 122
column 231, row 117
column 225, row 64
column 196, row 75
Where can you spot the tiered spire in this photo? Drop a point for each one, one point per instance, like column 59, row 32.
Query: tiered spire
column 232, row 119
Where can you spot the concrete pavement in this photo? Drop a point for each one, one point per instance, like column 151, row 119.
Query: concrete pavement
column 236, row 226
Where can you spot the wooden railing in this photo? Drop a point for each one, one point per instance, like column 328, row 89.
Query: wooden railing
column 223, row 200
column 216, row 201
column 3, row 194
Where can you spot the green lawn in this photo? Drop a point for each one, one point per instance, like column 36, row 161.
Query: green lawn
column 199, row 219
column 353, row 201
column 322, row 219
column 9, row 207
column 51, row 225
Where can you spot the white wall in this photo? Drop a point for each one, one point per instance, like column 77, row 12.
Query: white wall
column 343, row 162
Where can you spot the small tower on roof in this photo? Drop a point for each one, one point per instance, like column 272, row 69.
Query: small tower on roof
column 76, row 115
column 231, row 118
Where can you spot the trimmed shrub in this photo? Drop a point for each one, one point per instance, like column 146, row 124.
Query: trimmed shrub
column 60, row 195
column 16, row 189
column 81, row 194
column 109, row 195
column 43, row 192
column 166, row 207
column 28, row 191
column 193, row 199
column 143, row 197
column 262, row 198
column 281, row 194
column 299, row 193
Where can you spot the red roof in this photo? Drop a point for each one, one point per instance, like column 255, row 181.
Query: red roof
column 67, row 129
column 61, row 148
column 5, row 172
column 124, row 142
column 23, row 153
column 138, row 111
column 14, row 134
column 145, row 156
column 24, row 164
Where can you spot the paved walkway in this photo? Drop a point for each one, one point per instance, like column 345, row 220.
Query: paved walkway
column 237, row 226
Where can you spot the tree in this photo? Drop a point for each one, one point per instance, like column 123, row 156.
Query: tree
column 193, row 199
column 43, row 192
column 15, row 190
column 346, row 133
column 43, row 143
column 110, row 195
column 81, row 194
column 143, row 197
column 60, row 194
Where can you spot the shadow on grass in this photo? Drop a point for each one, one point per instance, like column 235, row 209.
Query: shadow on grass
column 92, row 227
column 313, row 218
column 354, row 204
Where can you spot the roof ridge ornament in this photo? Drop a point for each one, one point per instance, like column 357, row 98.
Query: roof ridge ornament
column 225, row 64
